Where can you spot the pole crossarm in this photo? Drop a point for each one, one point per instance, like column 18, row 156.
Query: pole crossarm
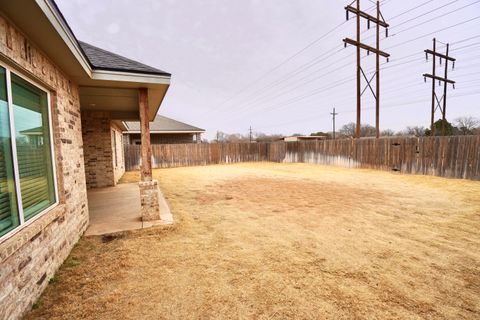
column 438, row 78
column 428, row 51
column 365, row 15
column 366, row 47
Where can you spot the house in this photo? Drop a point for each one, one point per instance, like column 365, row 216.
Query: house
column 164, row 130
column 63, row 104
column 304, row 138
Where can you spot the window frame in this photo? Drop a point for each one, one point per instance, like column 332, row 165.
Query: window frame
column 21, row 218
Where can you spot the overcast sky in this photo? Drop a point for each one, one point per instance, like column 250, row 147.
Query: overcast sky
column 224, row 56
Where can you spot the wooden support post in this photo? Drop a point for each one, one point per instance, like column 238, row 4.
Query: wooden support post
column 444, row 111
column 377, row 91
column 146, row 170
column 359, row 83
column 432, row 121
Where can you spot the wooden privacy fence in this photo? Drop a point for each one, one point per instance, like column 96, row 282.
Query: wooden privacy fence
column 454, row 157
column 181, row 155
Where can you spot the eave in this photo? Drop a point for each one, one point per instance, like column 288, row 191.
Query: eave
column 51, row 33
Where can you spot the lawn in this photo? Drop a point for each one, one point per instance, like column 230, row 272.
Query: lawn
column 278, row 241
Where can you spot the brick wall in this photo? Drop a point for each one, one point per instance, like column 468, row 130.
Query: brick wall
column 30, row 257
column 97, row 143
column 102, row 169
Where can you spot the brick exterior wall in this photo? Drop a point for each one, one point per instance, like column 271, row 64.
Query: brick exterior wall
column 102, row 169
column 97, row 142
column 31, row 256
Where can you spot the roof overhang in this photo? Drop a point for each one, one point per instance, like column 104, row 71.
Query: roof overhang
column 44, row 25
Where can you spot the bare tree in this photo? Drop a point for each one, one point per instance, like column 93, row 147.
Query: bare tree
column 348, row 130
column 366, row 130
column 467, row 124
column 387, row 133
column 262, row 137
column 416, row 131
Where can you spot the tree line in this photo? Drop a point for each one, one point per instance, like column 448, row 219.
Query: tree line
column 461, row 126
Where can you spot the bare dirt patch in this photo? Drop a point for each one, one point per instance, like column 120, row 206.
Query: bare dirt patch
column 276, row 241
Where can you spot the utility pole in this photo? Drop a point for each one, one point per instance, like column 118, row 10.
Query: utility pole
column 334, row 114
column 218, row 134
column 436, row 102
column 250, row 134
column 379, row 20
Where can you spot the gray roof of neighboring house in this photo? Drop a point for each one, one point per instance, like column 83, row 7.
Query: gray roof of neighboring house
column 163, row 124
column 105, row 60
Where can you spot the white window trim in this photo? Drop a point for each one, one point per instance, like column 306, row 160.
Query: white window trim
column 23, row 224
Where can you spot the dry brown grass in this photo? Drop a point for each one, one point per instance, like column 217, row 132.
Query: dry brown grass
column 277, row 241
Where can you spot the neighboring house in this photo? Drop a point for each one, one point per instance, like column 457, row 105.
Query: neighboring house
column 62, row 107
column 304, row 138
column 164, row 130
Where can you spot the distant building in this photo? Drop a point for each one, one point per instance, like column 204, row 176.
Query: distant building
column 304, row 138
column 164, row 130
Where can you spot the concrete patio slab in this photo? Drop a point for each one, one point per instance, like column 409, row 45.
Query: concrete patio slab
column 117, row 209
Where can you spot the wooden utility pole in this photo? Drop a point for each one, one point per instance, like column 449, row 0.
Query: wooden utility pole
column 334, row 114
column 436, row 102
column 250, row 134
column 380, row 22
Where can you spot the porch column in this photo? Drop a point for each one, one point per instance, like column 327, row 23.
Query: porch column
column 146, row 170
column 149, row 193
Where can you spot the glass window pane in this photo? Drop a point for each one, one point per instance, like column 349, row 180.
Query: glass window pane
column 30, row 111
column 8, row 200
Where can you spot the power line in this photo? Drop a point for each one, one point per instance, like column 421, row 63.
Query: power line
column 284, row 62
column 431, row 33
column 412, row 9
column 342, row 81
column 405, row 42
column 264, row 90
column 278, row 66
column 347, row 64
column 438, row 17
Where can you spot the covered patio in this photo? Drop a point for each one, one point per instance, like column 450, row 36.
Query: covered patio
column 121, row 90
column 116, row 209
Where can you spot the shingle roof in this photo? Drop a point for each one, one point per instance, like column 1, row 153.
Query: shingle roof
column 164, row 124
column 105, row 60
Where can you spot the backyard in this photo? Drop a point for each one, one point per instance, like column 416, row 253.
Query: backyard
column 277, row 241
